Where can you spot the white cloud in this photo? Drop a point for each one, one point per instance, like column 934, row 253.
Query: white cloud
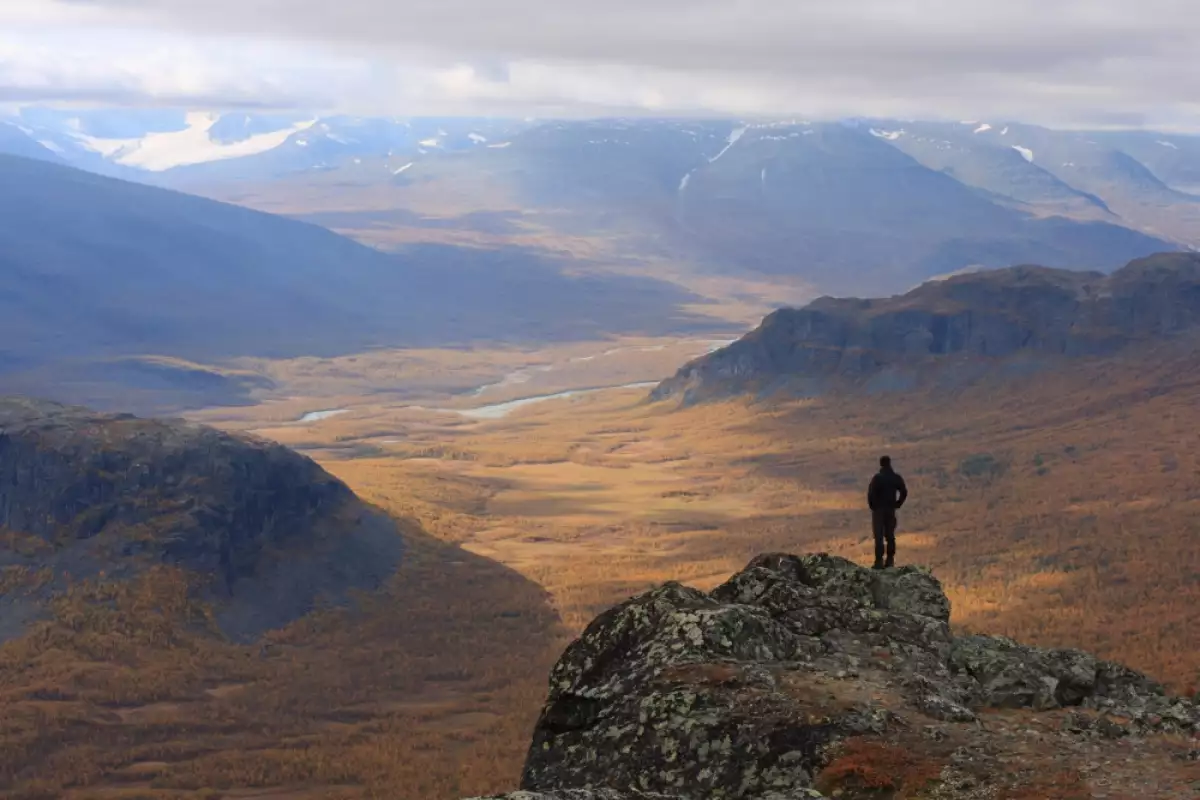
column 111, row 64
column 1095, row 62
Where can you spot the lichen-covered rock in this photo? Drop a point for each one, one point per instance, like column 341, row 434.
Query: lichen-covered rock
column 750, row 692
column 608, row 794
column 577, row 794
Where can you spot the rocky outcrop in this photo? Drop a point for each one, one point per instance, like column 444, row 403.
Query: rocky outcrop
column 804, row 675
column 262, row 527
column 979, row 318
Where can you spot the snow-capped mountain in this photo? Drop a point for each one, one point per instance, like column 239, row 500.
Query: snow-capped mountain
column 241, row 144
column 885, row 201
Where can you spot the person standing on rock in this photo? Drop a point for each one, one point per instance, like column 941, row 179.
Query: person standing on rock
column 886, row 493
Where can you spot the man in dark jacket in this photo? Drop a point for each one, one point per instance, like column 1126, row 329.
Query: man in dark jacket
column 886, row 493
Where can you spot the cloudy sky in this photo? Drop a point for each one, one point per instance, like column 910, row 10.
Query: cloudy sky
column 1061, row 62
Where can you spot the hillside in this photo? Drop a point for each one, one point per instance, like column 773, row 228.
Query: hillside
column 885, row 203
column 952, row 330
column 1142, row 179
column 811, row 677
column 827, row 204
column 847, row 210
column 1057, row 507
column 99, row 271
column 266, row 533
column 180, row 606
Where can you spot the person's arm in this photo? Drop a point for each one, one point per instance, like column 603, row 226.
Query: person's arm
column 903, row 490
column 872, row 492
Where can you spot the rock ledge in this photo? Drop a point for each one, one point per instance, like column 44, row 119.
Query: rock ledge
column 804, row 674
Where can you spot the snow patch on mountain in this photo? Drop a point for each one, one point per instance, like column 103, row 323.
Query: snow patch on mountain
column 1171, row 145
column 891, row 136
column 1025, row 152
column 476, row 138
column 430, row 142
column 157, row 152
column 405, row 168
column 732, row 140
column 499, row 146
column 984, row 128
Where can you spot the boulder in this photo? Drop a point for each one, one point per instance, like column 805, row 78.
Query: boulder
column 753, row 690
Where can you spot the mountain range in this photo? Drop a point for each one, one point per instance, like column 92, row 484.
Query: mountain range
column 126, row 142
column 953, row 330
column 108, row 281
column 841, row 206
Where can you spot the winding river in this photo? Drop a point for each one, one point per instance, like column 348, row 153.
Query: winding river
column 520, row 376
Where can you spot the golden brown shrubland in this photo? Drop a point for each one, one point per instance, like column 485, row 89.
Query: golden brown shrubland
column 429, row 689
column 1060, row 509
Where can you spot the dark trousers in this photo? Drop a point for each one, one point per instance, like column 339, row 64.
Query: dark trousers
column 883, row 521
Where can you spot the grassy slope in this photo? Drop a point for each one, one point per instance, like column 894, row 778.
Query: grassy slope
column 1059, row 510
column 428, row 690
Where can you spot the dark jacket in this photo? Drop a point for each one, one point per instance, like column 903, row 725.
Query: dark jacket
column 887, row 491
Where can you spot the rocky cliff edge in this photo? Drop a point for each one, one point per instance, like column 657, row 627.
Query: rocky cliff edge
column 953, row 331
column 807, row 677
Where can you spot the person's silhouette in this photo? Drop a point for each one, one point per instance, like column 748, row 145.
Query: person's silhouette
column 886, row 493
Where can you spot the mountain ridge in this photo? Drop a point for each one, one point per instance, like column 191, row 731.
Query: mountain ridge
column 836, row 204
column 988, row 317
column 97, row 270
column 264, row 531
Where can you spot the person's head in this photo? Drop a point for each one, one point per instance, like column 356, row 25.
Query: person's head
column 885, row 462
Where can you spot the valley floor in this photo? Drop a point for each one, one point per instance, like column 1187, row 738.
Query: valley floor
column 1059, row 523
column 1061, row 510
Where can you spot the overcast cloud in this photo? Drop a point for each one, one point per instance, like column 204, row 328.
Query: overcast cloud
column 1063, row 62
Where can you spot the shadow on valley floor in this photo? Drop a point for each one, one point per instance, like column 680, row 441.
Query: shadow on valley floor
column 427, row 690
column 454, row 297
column 493, row 222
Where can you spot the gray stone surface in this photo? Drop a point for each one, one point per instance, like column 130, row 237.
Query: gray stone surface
column 745, row 692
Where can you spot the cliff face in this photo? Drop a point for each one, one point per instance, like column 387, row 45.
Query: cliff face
column 253, row 521
column 804, row 677
column 1033, row 311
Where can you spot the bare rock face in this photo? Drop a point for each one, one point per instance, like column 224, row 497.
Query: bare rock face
column 266, row 530
column 956, row 328
column 803, row 674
